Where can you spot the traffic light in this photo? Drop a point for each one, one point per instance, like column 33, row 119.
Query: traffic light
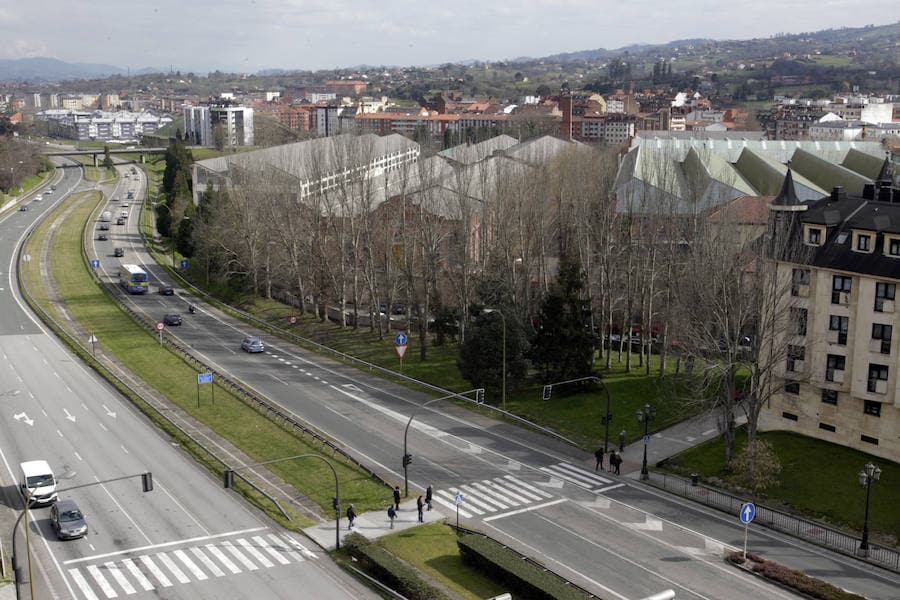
column 479, row 396
column 407, row 460
column 228, row 479
column 335, row 504
column 547, row 390
column 147, row 481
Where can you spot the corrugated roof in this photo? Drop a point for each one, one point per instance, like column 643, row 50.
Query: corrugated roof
column 825, row 174
column 468, row 154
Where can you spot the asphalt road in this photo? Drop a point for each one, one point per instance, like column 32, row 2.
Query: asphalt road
column 188, row 538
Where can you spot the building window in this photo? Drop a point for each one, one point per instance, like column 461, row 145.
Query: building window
column 894, row 247
column 834, row 370
column 840, row 289
column 829, row 396
column 789, row 416
column 878, row 376
column 884, row 292
column 840, row 325
column 882, row 333
column 792, row 387
column 868, row 439
column 798, row 318
column 800, row 282
column 870, row 407
column 863, row 243
column 827, row 427
column 815, row 236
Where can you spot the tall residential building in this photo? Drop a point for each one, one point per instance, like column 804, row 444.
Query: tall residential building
column 236, row 121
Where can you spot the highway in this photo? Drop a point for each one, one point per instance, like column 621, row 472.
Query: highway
column 188, row 538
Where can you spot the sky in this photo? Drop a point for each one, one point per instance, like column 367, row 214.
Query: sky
column 250, row 35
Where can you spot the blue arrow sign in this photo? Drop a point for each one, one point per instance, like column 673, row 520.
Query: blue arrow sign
column 748, row 511
column 400, row 339
column 204, row 378
column 95, row 264
column 184, row 263
column 459, row 498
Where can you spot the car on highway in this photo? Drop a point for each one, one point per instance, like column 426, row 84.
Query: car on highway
column 102, row 237
column 48, row 192
column 119, row 252
column 104, row 227
column 124, row 214
column 38, row 198
column 172, row 319
column 120, row 221
column 166, row 290
column 124, row 205
column 252, row 345
column 67, row 520
column 23, row 208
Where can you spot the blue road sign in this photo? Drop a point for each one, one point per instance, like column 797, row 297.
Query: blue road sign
column 400, row 339
column 184, row 263
column 748, row 511
column 459, row 498
column 646, row 439
column 95, row 264
column 204, row 378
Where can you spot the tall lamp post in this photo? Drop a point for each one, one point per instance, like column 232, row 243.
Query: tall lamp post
column 645, row 415
column 869, row 474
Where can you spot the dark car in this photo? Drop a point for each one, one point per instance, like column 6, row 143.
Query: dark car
column 120, row 221
column 119, row 252
column 166, row 290
column 102, row 237
column 67, row 520
column 23, row 208
column 172, row 319
column 104, row 227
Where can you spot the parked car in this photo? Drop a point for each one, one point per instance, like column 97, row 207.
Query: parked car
column 68, row 520
column 119, row 252
column 102, row 237
column 166, row 290
column 253, row 344
column 172, row 319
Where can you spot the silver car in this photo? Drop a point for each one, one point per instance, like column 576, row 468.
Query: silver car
column 253, row 344
column 67, row 520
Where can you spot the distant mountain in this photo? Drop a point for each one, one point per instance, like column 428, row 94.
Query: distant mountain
column 43, row 70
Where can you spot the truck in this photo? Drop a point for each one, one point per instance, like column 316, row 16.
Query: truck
column 106, row 216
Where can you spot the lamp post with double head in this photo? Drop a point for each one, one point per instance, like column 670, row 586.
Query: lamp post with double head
column 867, row 476
column 645, row 415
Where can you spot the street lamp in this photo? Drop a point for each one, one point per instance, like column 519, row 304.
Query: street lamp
column 645, row 415
column 869, row 474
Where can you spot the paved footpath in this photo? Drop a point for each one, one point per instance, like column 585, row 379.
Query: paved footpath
column 372, row 524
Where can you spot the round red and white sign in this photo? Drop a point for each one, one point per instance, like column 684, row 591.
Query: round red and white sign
column 160, row 326
column 293, row 320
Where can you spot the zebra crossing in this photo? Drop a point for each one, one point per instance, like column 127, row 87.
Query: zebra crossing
column 157, row 570
column 481, row 498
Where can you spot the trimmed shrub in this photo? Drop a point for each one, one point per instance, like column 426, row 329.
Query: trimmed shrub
column 793, row 579
column 508, row 568
column 390, row 570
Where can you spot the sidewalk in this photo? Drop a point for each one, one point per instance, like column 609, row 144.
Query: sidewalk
column 8, row 591
column 371, row 524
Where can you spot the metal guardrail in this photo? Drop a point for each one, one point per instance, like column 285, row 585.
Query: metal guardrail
column 810, row 531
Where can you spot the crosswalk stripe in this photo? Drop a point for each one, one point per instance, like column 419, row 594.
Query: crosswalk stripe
column 137, row 574
column 192, row 567
column 102, row 582
column 567, row 477
column 301, row 548
column 451, row 498
column 527, row 486
column 514, row 496
column 156, row 571
column 207, row 562
column 256, row 553
column 509, row 486
column 223, row 559
column 285, row 548
column 471, row 499
column 483, row 497
column 272, row 552
column 238, row 555
column 452, row 506
column 172, row 567
column 120, row 578
column 588, row 476
column 490, row 490
column 82, row 584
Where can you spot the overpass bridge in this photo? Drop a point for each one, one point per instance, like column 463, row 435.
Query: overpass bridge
column 97, row 152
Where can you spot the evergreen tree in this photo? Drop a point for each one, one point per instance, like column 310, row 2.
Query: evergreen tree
column 480, row 358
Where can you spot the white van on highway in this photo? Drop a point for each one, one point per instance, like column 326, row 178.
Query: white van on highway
column 38, row 483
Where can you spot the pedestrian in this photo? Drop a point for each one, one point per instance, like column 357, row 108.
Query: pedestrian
column 599, row 455
column 429, row 495
column 396, row 497
column 622, row 441
column 618, row 462
column 420, row 504
column 612, row 461
column 351, row 516
column 391, row 514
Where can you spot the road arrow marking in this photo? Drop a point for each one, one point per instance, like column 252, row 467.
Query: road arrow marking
column 24, row 417
column 109, row 413
column 350, row 386
column 553, row 483
column 650, row 524
column 70, row 417
column 600, row 503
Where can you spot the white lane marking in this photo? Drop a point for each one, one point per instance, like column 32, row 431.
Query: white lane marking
column 526, row 509
column 531, row 490
column 103, row 427
column 511, row 491
column 284, row 548
column 119, row 506
column 223, row 559
column 490, row 491
column 193, row 540
column 275, row 554
column 172, row 567
column 709, row 432
column 583, row 473
column 241, row 558
column 102, row 582
column 207, row 562
column 279, row 380
column 59, row 433
column 565, row 477
column 608, row 488
column 485, row 498
column 192, row 567
column 183, row 508
column 124, row 449
column 452, row 506
column 156, row 571
column 256, row 553
column 120, row 578
column 82, row 584
column 301, row 548
column 137, row 574
column 78, row 456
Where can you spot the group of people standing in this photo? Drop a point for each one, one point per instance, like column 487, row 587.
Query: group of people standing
column 615, row 460
column 421, row 505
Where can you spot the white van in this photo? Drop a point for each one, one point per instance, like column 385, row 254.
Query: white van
column 38, row 482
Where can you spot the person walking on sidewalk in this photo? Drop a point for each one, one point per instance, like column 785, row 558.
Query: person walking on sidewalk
column 621, row 441
column 351, row 516
column 599, row 455
column 396, row 498
column 420, row 505
column 429, row 495
column 612, row 461
column 618, row 462
column 391, row 514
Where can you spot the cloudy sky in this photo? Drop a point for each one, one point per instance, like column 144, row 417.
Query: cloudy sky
column 248, row 35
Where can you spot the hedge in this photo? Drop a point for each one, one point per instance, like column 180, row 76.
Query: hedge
column 390, row 570
column 795, row 580
column 523, row 578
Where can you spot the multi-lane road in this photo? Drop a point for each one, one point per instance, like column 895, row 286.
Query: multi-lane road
column 188, row 538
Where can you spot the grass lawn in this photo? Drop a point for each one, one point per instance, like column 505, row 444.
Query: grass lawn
column 171, row 376
column 817, row 479
column 432, row 549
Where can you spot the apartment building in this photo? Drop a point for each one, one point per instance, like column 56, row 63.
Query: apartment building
column 840, row 377
column 101, row 125
column 236, row 121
